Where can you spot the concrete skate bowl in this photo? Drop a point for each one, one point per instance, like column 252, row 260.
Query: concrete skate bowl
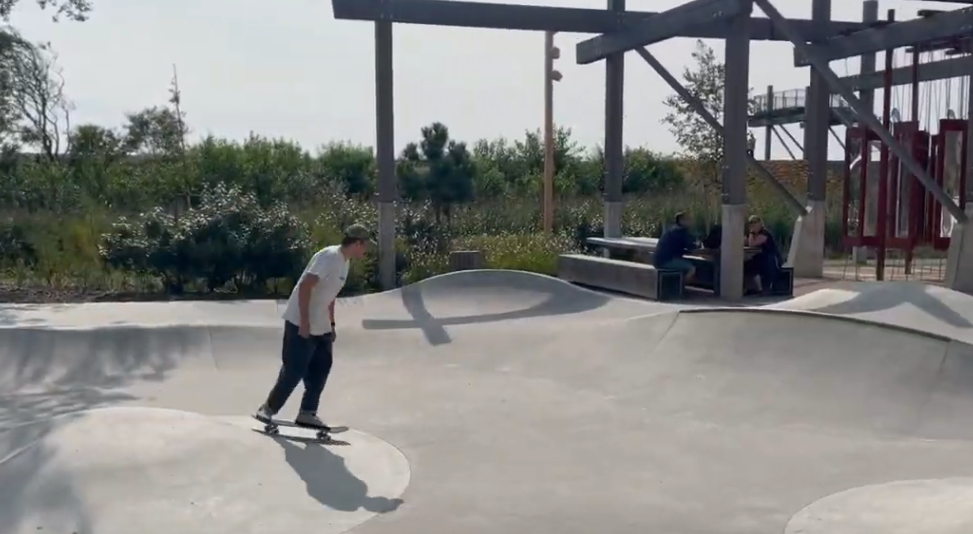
column 123, row 470
column 916, row 305
column 488, row 296
column 83, row 450
column 709, row 421
column 721, row 421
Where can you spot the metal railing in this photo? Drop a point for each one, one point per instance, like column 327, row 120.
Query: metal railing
column 792, row 98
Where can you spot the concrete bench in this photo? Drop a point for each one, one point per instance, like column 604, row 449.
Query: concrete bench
column 784, row 285
column 638, row 279
column 639, row 249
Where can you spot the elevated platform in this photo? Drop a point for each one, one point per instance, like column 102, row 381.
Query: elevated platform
column 787, row 107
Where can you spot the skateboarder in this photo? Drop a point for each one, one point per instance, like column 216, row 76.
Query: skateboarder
column 309, row 328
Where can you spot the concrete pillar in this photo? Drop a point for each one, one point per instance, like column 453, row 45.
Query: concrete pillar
column 806, row 254
column 614, row 145
column 735, row 101
column 959, row 258
column 769, row 129
column 969, row 144
column 385, row 153
column 807, row 245
column 867, row 96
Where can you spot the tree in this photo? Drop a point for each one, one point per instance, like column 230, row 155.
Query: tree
column 352, row 165
column 76, row 10
column 34, row 109
column 438, row 169
column 707, row 82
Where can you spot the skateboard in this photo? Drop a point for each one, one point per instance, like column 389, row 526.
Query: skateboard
column 273, row 428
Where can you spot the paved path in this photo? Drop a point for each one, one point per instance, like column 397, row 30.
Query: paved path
column 488, row 401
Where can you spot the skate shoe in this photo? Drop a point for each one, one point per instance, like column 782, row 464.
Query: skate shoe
column 311, row 420
column 263, row 414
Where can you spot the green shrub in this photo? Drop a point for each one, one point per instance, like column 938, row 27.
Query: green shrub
column 531, row 252
column 227, row 238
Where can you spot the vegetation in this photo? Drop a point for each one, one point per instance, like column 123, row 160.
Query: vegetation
column 137, row 209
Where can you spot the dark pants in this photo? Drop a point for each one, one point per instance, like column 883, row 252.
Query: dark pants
column 308, row 360
column 765, row 266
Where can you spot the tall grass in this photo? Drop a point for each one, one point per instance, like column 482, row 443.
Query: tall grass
column 507, row 231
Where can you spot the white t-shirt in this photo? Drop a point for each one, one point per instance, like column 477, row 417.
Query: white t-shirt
column 330, row 265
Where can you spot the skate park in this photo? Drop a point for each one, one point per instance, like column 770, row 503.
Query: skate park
column 487, row 400
column 480, row 400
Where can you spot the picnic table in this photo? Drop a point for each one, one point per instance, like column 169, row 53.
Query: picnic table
column 642, row 249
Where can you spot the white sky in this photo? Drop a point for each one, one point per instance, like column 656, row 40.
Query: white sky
column 287, row 68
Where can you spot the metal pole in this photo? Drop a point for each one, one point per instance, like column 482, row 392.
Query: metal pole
column 865, row 114
column 549, row 132
column 385, row 153
column 968, row 142
column 867, row 96
column 882, row 215
column 782, row 142
column 768, row 130
column 736, row 103
column 818, row 108
column 614, row 147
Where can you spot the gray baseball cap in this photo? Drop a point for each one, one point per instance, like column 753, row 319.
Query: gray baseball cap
column 358, row 231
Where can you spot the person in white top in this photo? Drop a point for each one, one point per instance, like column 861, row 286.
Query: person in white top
column 309, row 328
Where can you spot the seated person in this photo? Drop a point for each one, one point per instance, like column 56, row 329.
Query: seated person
column 674, row 243
column 766, row 263
column 714, row 239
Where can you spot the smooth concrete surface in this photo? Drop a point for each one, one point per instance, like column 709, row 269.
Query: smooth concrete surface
column 906, row 507
column 124, row 470
column 806, row 254
column 915, row 305
column 486, row 401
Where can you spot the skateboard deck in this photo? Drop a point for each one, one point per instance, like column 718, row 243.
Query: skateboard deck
column 273, row 428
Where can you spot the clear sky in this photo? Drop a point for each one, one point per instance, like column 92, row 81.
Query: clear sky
column 287, row 68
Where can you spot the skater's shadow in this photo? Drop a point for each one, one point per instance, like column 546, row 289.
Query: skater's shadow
column 329, row 481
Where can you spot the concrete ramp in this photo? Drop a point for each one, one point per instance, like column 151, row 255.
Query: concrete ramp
column 804, row 371
column 506, row 402
column 914, row 305
column 124, row 470
column 488, row 297
column 113, row 357
column 499, row 295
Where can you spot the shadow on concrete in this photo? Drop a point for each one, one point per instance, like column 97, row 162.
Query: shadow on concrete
column 49, row 373
column 12, row 314
column 561, row 299
column 23, row 456
column 102, row 358
column 328, row 479
column 892, row 294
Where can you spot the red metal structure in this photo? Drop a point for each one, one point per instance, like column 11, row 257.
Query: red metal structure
column 906, row 196
column 906, row 215
column 950, row 171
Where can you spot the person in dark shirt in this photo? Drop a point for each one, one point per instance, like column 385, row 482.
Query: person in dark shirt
column 766, row 263
column 714, row 239
column 674, row 243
